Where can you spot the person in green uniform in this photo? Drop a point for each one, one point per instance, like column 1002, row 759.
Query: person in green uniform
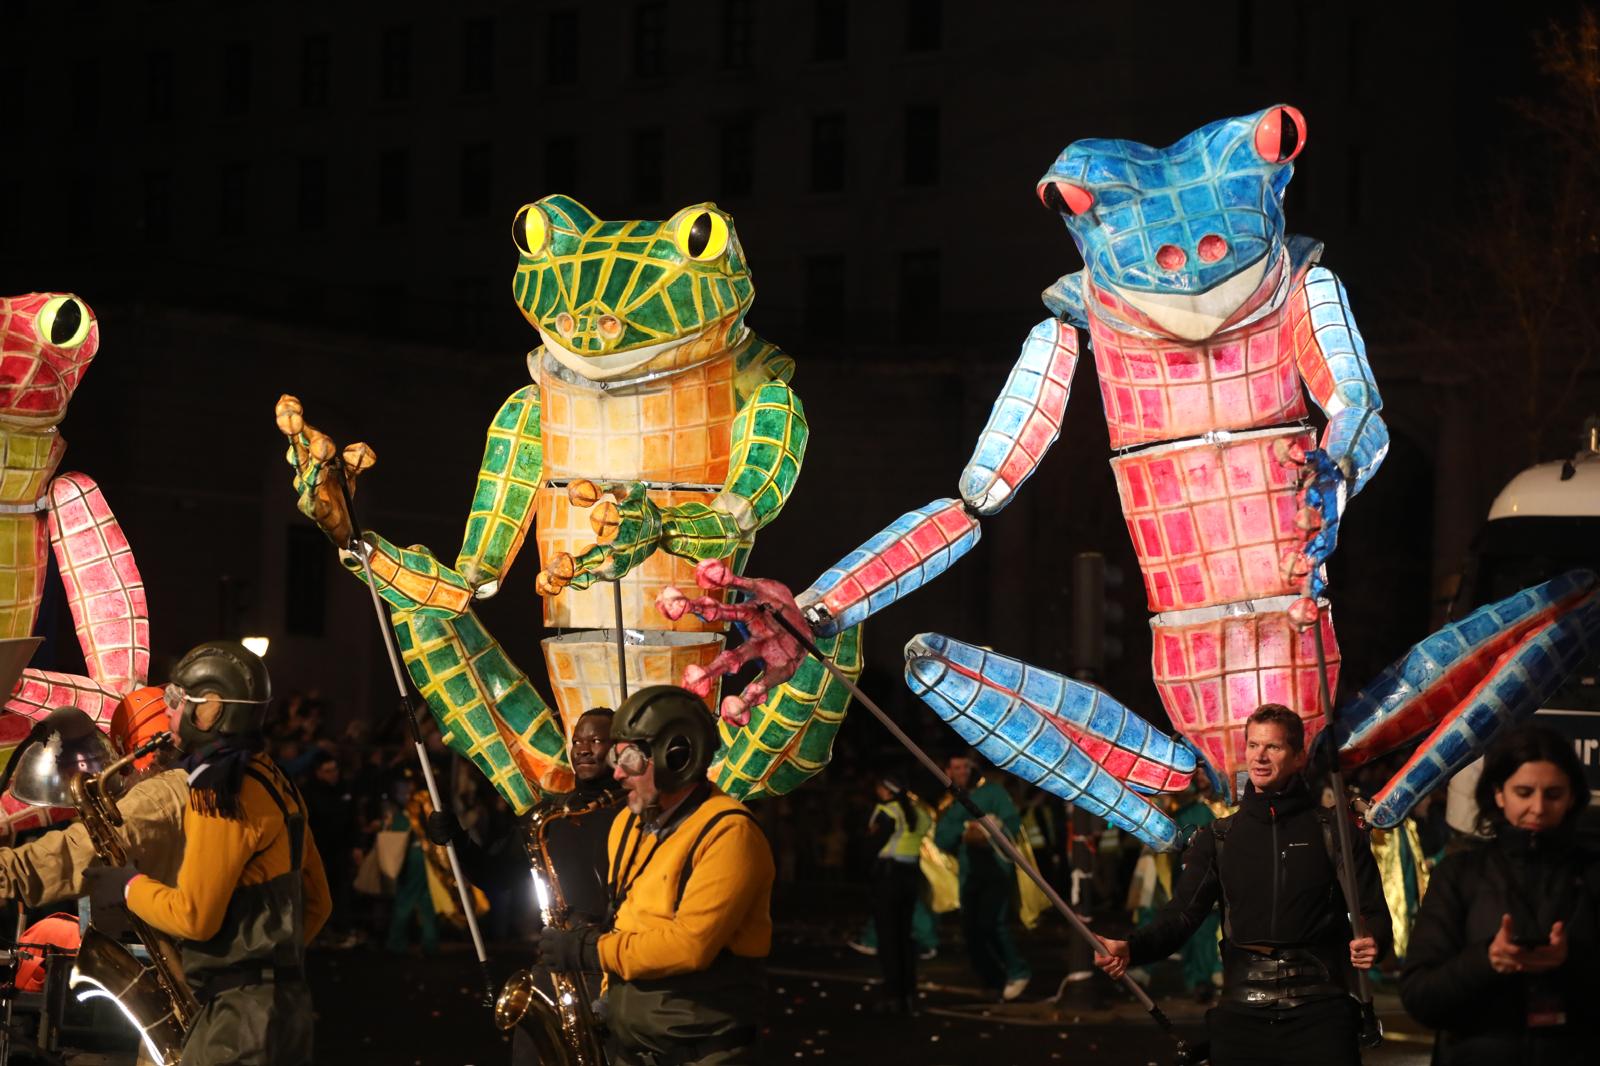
column 988, row 879
column 411, row 895
column 897, row 825
column 1202, row 956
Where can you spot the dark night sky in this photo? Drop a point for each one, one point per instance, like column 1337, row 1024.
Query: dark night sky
column 230, row 227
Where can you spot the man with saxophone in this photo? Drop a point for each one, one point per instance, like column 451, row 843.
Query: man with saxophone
column 251, row 891
column 564, row 838
column 51, row 866
column 690, row 878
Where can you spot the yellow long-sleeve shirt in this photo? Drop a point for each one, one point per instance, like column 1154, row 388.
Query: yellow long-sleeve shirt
column 727, row 902
column 223, row 853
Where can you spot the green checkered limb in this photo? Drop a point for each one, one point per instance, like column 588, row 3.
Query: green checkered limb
column 790, row 736
column 413, row 579
column 487, row 710
column 769, row 444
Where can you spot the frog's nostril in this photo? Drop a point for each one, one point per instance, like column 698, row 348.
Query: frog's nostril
column 1212, row 247
column 1171, row 257
column 564, row 324
column 610, row 327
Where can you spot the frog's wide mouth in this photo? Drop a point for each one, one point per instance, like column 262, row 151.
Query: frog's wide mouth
column 615, row 364
column 1197, row 316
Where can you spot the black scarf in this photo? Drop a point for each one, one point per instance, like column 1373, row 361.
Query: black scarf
column 216, row 774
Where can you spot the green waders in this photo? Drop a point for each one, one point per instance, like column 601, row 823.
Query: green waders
column 250, row 977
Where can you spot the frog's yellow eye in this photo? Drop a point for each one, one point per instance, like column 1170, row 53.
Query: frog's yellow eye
column 63, row 322
column 701, row 235
column 529, row 231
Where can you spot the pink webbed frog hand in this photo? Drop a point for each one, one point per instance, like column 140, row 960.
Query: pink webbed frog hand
column 778, row 651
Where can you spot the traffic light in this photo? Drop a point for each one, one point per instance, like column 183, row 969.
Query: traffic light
column 1097, row 614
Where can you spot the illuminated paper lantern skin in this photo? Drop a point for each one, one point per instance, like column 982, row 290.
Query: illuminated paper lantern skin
column 1205, row 320
column 47, row 341
column 657, row 432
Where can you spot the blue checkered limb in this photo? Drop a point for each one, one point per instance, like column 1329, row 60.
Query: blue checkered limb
column 1517, row 683
column 1356, row 438
column 1064, row 736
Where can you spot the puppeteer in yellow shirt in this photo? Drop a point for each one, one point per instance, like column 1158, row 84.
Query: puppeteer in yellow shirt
column 222, row 854
column 726, row 901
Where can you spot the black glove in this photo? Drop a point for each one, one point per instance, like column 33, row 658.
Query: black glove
column 570, row 949
column 442, row 828
column 107, row 887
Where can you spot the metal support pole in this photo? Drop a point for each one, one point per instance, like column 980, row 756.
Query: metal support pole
column 408, row 704
column 990, row 824
column 1371, row 1027
column 622, row 657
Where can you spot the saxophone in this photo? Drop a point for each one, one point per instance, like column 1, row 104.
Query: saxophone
column 564, row 1028
column 155, row 997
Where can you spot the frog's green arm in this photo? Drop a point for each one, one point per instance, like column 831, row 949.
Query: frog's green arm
column 769, row 442
column 412, row 579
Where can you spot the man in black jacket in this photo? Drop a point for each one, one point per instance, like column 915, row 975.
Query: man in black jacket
column 1287, row 945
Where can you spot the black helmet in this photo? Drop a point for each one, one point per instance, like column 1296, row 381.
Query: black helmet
column 675, row 727
column 232, row 673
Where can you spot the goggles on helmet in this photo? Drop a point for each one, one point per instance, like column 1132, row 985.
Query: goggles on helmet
column 175, row 697
column 633, row 756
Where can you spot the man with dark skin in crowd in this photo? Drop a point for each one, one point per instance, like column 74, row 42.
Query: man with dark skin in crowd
column 577, row 826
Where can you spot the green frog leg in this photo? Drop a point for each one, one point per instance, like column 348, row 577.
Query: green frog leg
column 790, row 734
column 769, row 436
column 488, row 711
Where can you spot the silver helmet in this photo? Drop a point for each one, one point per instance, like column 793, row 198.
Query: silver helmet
column 63, row 744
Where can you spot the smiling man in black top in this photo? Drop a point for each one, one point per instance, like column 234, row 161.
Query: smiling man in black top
column 1288, row 949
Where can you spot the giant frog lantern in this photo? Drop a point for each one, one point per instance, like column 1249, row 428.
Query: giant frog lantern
column 657, row 430
column 47, row 340
column 1207, row 323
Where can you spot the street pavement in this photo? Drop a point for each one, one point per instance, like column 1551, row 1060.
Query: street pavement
column 408, row 1011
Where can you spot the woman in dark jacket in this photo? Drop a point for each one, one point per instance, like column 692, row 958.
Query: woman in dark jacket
column 1505, row 956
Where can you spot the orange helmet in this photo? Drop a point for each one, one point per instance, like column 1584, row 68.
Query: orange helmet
column 141, row 715
column 59, row 931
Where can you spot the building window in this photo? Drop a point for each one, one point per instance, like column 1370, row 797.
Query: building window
column 1244, row 32
column 394, row 64
column 919, row 294
column 311, row 208
column 738, row 32
column 10, row 209
column 738, row 144
column 86, row 96
column 476, row 180
column 158, row 84
column 235, row 78
column 922, row 145
column 233, row 196
column 562, row 48
column 924, row 25
column 1353, row 186
column 829, row 152
column 823, row 289
column 314, row 55
column 157, row 217
column 649, row 40
column 394, row 186
column 477, row 55
column 305, row 580
column 830, row 30
column 561, row 165
column 648, row 166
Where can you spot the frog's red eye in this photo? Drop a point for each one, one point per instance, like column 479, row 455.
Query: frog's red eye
column 1280, row 134
column 1064, row 196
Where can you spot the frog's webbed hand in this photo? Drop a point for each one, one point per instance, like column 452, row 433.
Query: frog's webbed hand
column 627, row 530
column 312, row 454
column 409, row 579
column 766, row 642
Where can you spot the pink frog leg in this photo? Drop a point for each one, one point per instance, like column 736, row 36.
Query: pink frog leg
column 106, row 597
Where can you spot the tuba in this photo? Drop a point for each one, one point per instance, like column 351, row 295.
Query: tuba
column 562, row 1029
column 155, row 998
